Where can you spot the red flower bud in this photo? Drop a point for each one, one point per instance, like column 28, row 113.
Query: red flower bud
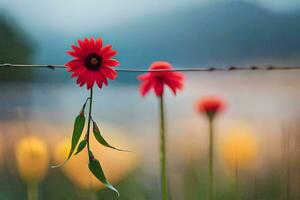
column 211, row 105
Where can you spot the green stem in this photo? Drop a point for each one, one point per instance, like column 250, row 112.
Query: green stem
column 32, row 191
column 255, row 188
column 211, row 160
column 93, row 195
column 288, row 167
column 163, row 162
column 236, row 178
column 89, row 121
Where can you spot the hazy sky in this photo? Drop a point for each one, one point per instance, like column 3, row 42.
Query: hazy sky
column 68, row 15
column 71, row 15
column 279, row 5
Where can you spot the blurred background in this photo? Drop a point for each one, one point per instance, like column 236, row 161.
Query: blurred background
column 260, row 126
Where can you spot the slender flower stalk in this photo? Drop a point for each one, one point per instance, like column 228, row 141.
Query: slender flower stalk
column 211, row 159
column 236, row 181
column 255, row 187
column 210, row 106
column 163, row 159
column 287, row 160
column 32, row 191
column 157, row 81
column 93, row 195
column 239, row 150
column 89, row 121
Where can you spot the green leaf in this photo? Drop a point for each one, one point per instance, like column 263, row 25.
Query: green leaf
column 81, row 146
column 77, row 131
column 101, row 140
column 96, row 169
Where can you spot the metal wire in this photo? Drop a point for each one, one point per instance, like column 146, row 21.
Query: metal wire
column 197, row 69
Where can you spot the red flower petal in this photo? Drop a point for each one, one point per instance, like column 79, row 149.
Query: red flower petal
column 109, row 54
column 158, row 88
column 82, row 45
column 105, row 49
column 98, row 44
column 99, row 82
column 74, row 75
column 82, row 79
column 87, row 42
column 111, row 63
column 144, row 77
column 74, row 63
column 92, row 42
column 90, row 80
column 91, row 45
column 95, row 45
column 160, row 65
column 145, row 87
column 79, row 72
column 172, row 86
column 88, row 47
column 73, row 53
column 210, row 105
column 102, row 78
column 174, row 80
column 108, row 72
column 177, row 75
column 175, row 83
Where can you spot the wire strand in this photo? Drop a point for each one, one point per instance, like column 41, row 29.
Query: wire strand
column 196, row 69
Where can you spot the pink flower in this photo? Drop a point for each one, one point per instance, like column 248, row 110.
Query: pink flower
column 157, row 80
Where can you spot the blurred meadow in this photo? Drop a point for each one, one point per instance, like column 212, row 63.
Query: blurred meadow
column 259, row 129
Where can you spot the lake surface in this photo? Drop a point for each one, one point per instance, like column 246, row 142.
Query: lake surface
column 266, row 101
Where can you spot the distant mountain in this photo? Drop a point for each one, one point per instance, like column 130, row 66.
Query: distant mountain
column 224, row 33
column 14, row 47
column 216, row 34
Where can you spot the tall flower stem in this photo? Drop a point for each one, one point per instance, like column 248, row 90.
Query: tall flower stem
column 32, row 191
column 236, row 183
column 89, row 121
column 93, row 195
column 211, row 160
column 255, row 188
column 163, row 162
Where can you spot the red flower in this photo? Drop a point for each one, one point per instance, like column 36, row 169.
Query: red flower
column 211, row 105
column 157, row 80
column 92, row 62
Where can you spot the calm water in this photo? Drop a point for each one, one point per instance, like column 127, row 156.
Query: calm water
column 255, row 96
column 266, row 101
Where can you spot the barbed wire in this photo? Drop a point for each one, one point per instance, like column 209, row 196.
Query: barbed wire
column 137, row 70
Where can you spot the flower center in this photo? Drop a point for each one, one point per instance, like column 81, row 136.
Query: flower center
column 160, row 77
column 93, row 61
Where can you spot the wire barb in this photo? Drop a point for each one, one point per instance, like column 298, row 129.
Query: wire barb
column 137, row 70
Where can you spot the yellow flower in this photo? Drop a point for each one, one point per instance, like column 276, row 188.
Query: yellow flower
column 239, row 147
column 116, row 164
column 32, row 159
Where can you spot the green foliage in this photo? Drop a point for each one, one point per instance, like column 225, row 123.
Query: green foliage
column 96, row 169
column 77, row 131
column 100, row 139
column 81, row 146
